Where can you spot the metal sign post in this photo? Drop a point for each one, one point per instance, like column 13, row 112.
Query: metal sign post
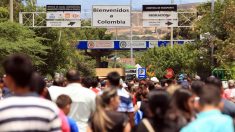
column 212, row 6
column 11, row 10
column 172, row 31
column 132, row 56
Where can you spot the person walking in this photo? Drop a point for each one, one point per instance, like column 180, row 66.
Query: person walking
column 64, row 103
column 181, row 110
column 106, row 118
column 159, row 101
column 83, row 104
column 25, row 110
column 126, row 105
column 210, row 118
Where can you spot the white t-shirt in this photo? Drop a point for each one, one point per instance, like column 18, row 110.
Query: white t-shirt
column 83, row 102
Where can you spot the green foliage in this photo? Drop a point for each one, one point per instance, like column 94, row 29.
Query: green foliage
column 62, row 55
column 221, row 26
column 180, row 58
column 4, row 14
column 15, row 38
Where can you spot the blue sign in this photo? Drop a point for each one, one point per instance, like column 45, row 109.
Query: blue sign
column 163, row 43
column 109, row 44
column 123, row 45
column 142, row 73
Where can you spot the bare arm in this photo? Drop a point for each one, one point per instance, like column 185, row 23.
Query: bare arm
column 131, row 119
column 89, row 129
column 127, row 128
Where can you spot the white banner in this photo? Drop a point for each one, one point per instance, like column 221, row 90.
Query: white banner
column 63, row 23
column 135, row 44
column 69, row 15
column 100, row 44
column 160, row 23
column 111, row 16
column 160, row 15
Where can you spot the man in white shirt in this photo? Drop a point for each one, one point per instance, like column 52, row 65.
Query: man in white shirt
column 83, row 99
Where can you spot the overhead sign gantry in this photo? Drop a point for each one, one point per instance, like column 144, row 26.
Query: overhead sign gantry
column 160, row 16
column 63, row 16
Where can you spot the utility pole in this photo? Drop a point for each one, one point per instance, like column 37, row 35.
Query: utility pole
column 115, row 58
column 172, row 31
column 212, row 6
column 11, row 10
column 212, row 45
column 132, row 56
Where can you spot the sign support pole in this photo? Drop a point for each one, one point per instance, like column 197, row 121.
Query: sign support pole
column 172, row 31
column 172, row 38
column 212, row 6
column 11, row 11
column 115, row 59
column 132, row 59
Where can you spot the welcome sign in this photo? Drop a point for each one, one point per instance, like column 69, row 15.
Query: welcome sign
column 111, row 16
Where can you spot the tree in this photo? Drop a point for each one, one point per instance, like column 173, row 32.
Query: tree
column 220, row 26
column 180, row 58
column 51, row 49
column 18, row 6
column 63, row 55
column 15, row 38
column 4, row 14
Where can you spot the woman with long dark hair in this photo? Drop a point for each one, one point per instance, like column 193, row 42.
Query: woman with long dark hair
column 158, row 101
column 105, row 118
column 181, row 110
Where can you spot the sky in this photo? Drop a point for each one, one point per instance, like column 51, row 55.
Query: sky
column 86, row 4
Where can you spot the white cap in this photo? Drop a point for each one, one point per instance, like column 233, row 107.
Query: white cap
column 197, row 77
column 154, row 79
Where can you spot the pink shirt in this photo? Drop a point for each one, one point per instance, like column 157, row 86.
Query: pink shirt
column 65, row 125
column 227, row 93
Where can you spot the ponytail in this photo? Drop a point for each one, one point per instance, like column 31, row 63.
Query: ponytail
column 100, row 119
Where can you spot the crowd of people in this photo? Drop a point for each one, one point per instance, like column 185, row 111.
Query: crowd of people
column 71, row 103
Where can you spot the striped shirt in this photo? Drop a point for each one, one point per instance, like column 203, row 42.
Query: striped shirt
column 126, row 104
column 28, row 113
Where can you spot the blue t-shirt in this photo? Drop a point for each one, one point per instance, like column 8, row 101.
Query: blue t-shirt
column 210, row 121
column 72, row 124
